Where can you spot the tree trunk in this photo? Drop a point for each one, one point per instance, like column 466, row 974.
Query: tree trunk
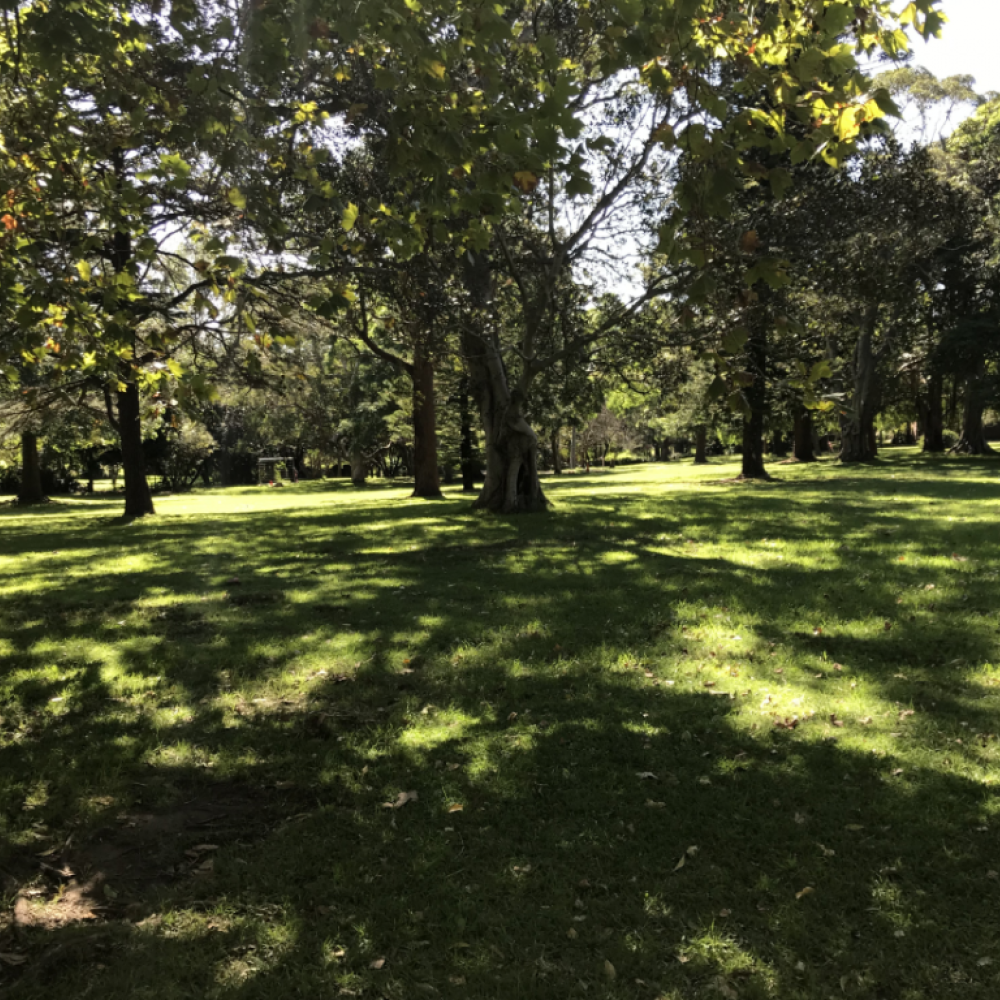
column 756, row 395
column 425, row 454
column 359, row 466
column 512, row 485
column 572, row 448
column 701, row 445
column 138, row 499
column 30, row 490
column 779, row 447
column 802, row 447
column 973, row 440
column 858, row 421
column 467, row 447
column 556, row 461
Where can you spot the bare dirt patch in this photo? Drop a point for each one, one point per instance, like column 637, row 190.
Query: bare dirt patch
column 118, row 871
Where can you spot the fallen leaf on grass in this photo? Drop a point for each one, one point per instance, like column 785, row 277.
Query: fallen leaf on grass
column 401, row 800
column 377, row 964
column 866, row 721
column 906, row 713
column 609, row 970
column 807, row 891
column 12, row 958
column 985, row 961
column 456, row 980
column 888, row 626
column 897, row 772
column 791, row 723
column 839, row 723
column 650, row 804
column 646, row 775
column 853, row 827
column 571, row 934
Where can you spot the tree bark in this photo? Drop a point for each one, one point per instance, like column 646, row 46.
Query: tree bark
column 425, row 454
column 30, row 490
column 753, row 422
column 572, row 448
column 973, row 440
column 359, row 466
column 858, row 442
column 701, row 445
column 932, row 414
column 556, row 461
column 512, row 485
column 467, row 445
column 138, row 499
column 802, row 447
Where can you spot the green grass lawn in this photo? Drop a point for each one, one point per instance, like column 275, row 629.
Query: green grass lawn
column 679, row 739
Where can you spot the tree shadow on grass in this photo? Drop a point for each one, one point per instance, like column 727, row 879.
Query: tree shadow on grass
column 502, row 666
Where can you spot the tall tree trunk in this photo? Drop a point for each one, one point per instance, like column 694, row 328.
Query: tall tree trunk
column 512, row 485
column 467, row 447
column 931, row 408
column 425, row 453
column 756, row 394
column 973, row 440
column 802, row 447
column 556, row 460
column 359, row 466
column 858, row 421
column 138, row 499
column 572, row 448
column 701, row 445
column 758, row 312
column 30, row 490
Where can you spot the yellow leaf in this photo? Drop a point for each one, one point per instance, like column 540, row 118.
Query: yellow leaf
column 455, row 807
column 807, row 891
column 84, row 268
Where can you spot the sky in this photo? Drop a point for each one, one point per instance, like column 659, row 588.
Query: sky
column 968, row 43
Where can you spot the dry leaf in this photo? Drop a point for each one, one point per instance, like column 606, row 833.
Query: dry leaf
column 680, row 864
column 655, row 805
column 646, row 775
column 609, row 970
column 866, row 721
column 377, row 964
column 571, row 934
column 455, row 807
column 985, row 961
column 853, row 827
column 12, row 958
column 807, row 891
column 456, row 980
column 401, row 800
column 839, row 723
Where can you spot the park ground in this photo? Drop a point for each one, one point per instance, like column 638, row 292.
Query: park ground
column 682, row 738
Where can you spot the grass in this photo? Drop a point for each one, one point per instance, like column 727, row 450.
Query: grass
column 792, row 688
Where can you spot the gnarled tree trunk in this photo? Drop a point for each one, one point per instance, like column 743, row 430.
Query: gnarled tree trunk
column 858, row 443
column 138, row 499
column 30, row 490
column 425, row 455
column 802, row 446
column 512, row 485
column 701, row 445
column 973, row 440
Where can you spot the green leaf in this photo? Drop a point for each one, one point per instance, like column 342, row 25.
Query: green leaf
column 84, row 268
column 237, row 198
column 349, row 217
column 735, row 340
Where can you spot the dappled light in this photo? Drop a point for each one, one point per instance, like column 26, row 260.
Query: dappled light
column 725, row 739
